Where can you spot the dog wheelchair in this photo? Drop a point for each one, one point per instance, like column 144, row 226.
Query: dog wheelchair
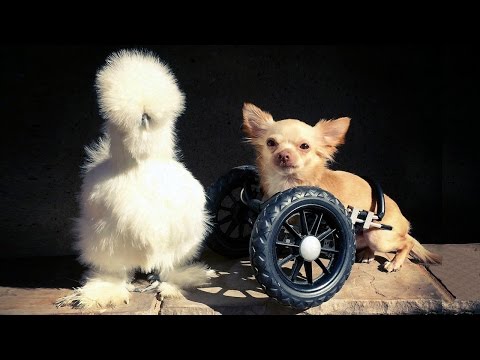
column 301, row 241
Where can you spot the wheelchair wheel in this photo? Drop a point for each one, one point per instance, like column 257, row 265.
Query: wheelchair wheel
column 232, row 219
column 302, row 247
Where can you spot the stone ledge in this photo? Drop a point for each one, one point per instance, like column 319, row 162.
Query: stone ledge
column 30, row 286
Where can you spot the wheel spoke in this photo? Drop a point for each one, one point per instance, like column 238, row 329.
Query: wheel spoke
column 316, row 225
column 296, row 268
column 292, row 231
column 286, row 259
column 303, row 223
column 325, row 234
column 324, row 268
column 308, row 271
column 232, row 198
column 327, row 250
column 230, row 228
column 287, row 244
column 225, row 220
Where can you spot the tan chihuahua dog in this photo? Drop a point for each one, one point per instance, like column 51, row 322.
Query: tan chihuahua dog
column 292, row 153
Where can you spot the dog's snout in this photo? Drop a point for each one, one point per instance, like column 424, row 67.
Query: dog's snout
column 285, row 159
column 283, row 156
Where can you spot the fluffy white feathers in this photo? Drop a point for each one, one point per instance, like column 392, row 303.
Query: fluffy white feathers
column 140, row 207
column 133, row 83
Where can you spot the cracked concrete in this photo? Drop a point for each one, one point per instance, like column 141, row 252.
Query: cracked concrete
column 372, row 284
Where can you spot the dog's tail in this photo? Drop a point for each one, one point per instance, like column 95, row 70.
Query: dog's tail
column 136, row 87
column 424, row 255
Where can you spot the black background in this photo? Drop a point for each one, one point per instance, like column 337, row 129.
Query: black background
column 412, row 110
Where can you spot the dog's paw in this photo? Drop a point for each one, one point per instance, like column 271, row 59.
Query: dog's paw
column 390, row 266
column 366, row 255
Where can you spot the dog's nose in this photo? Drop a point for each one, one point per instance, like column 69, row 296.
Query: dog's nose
column 283, row 156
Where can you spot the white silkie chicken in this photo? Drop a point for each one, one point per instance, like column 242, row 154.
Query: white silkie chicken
column 141, row 209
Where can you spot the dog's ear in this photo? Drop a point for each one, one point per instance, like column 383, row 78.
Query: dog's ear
column 255, row 121
column 332, row 133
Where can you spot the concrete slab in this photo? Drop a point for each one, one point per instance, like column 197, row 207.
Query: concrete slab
column 367, row 291
column 30, row 286
column 15, row 301
column 460, row 274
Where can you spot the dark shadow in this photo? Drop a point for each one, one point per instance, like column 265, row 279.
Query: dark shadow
column 380, row 259
column 41, row 272
column 235, row 291
column 47, row 272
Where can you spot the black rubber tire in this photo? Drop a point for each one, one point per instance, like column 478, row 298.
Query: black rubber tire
column 263, row 250
column 218, row 241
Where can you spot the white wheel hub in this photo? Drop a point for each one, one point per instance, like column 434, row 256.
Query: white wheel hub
column 310, row 248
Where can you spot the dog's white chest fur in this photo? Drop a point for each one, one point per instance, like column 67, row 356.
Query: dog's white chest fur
column 279, row 182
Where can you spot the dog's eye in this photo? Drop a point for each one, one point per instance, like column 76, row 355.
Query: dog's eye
column 304, row 146
column 271, row 142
